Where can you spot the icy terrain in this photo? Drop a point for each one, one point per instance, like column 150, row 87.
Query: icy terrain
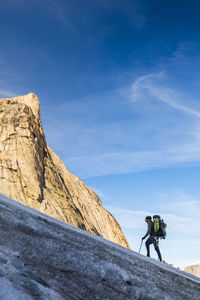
column 42, row 258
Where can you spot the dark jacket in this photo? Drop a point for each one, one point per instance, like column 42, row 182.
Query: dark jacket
column 149, row 229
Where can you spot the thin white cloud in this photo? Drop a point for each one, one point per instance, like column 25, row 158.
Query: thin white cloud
column 95, row 145
column 140, row 84
column 169, row 96
column 134, row 219
column 184, row 208
column 57, row 8
column 127, row 162
column 153, row 137
column 7, row 93
column 133, row 9
column 153, row 84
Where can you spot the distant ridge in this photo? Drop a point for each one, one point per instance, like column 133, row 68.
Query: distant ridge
column 193, row 269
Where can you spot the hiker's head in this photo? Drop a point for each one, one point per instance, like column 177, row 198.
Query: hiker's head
column 148, row 219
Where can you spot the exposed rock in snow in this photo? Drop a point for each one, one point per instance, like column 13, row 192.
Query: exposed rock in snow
column 43, row 258
column 193, row 269
column 31, row 173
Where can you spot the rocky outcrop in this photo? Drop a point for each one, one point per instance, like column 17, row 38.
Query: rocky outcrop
column 193, row 269
column 31, row 173
column 45, row 259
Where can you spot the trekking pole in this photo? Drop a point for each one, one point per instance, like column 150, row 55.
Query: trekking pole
column 140, row 246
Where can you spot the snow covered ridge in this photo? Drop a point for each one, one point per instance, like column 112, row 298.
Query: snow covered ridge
column 43, row 258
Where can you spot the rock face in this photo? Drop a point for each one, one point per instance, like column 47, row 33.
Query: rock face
column 45, row 259
column 193, row 269
column 31, row 173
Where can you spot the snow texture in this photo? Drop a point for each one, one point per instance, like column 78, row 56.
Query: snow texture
column 42, row 258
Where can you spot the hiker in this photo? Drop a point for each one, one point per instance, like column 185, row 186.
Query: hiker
column 153, row 238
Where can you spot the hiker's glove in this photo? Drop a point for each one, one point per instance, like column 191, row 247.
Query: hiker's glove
column 143, row 238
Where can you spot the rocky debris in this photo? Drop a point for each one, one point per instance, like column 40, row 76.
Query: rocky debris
column 31, row 173
column 43, row 258
column 193, row 269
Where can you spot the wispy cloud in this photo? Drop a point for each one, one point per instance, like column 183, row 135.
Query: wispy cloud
column 177, row 223
column 154, row 124
column 129, row 162
column 58, row 8
column 133, row 9
column 181, row 203
column 7, row 93
column 99, row 146
column 153, row 84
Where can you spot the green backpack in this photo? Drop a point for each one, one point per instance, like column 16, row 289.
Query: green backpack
column 159, row 227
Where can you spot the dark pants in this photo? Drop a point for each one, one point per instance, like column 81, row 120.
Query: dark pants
column 153, row 240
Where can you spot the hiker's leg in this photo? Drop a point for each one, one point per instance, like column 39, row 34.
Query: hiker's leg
column 148, row 243
column 158, row 252
column 157, row 249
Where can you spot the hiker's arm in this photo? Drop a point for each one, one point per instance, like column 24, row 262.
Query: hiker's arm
column 148, row 231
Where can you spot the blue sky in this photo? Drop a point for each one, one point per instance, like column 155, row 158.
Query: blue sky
column 119, row 87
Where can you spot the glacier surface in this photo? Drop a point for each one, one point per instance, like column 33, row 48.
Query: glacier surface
column 43, row 258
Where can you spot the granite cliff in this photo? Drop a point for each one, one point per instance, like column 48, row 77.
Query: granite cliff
column 193, row 269
column 31, row 173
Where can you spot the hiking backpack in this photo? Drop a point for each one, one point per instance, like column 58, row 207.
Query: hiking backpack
column 159, row 227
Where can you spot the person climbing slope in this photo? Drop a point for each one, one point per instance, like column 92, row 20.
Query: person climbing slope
column 153, row 238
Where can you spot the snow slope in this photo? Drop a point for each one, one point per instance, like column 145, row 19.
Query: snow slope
column 43, row 258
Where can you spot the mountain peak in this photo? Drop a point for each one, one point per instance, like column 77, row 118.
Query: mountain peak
column 31, row 173
column 30, row 100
